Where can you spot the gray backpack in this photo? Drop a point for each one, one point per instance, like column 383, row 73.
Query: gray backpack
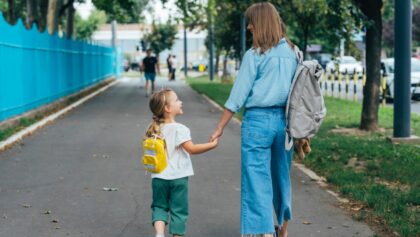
column 305, row 108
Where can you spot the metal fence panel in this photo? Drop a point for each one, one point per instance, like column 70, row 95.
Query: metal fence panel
column 37, row 68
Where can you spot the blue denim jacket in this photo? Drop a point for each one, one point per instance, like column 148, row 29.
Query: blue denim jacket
column 263, row 80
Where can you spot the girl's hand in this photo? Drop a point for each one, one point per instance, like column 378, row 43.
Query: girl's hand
column 214, row 142
column 216, row 134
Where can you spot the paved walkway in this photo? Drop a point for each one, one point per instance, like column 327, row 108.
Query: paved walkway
column 63, row 168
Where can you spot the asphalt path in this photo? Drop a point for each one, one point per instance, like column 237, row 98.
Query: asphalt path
column 52, row 183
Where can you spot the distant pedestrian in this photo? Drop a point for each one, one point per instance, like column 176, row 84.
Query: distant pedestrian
column 174, row 64
column 149, row 66
column 137, row 59
column 170, row 67
column 262, row 87
column 170, row 187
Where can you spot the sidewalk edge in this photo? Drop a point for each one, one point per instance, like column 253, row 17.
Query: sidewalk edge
column 308, row 172
column 17, row 137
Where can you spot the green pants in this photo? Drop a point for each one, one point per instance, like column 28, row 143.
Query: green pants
column 171, row 197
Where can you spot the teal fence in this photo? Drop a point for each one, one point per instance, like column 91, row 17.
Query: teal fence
column 38, row 68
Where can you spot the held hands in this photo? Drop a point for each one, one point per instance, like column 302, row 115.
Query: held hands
column 214, row 142
column 216, row 134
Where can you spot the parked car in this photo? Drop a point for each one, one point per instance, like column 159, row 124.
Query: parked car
column 324, row 59
column 135, row 66
column 387, row 67
column 345, row 64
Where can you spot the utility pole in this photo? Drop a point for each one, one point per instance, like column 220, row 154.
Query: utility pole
column 114, row 45
column 211, row 48
column 185, row 51
column 114, row 34
column 402, row 47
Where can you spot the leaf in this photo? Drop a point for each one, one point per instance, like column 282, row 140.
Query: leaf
column 109, row 189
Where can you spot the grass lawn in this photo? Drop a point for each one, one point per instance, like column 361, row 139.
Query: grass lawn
column 381, row 179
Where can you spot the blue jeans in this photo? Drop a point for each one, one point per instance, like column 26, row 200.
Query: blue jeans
column 265, row 179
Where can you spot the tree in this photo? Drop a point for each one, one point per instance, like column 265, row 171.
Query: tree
column 11, row 12
column 162, row 37
column 416, row 24
column 388, row 30
column 30, row 17
column 306, row 16
column 86, row 28
column 372, row 11
column 70, row 20
column 52, row 17
column 123, row 11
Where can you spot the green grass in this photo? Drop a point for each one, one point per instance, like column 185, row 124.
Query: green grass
column 23, row 123
column 385, row 178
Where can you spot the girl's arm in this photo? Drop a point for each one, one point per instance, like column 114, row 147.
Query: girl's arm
column 193, row 149
column 226, row 117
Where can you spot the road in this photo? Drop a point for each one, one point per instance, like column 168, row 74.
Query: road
column 51, row 184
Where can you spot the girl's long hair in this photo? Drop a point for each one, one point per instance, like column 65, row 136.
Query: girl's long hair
column 157, row 106
column 268, row 26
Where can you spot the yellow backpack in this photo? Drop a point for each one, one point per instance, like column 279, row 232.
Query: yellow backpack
column 154, row 154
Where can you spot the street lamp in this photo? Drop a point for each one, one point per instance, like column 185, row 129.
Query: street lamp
column 402, row 73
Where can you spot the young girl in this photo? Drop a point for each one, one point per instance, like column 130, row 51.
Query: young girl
column 170, row 188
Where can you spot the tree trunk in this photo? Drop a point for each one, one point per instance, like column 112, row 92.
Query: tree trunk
column 225, row 74
column 11, row 12
column 372, row 10
column 30, row 17
column 52, row 17
column 70, row 21
column 42, row 10
column 216, row 68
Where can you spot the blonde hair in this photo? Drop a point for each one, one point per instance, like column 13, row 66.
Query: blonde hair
column 157, row 104
column 268, row 26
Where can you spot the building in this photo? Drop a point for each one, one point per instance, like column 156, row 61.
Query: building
column 130, row 35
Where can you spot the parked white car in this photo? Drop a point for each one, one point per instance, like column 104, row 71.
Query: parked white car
column 345, row 64
column 387, row 66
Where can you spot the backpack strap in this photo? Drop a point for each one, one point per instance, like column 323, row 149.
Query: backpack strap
column 289, row 140
column 298, row 53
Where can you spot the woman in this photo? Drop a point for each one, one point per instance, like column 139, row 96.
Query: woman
column 262, row 86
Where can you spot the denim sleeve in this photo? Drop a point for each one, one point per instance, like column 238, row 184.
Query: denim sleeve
column 243, row 83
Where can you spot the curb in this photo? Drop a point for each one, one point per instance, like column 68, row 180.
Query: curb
column 17, row 137
column 308, row 172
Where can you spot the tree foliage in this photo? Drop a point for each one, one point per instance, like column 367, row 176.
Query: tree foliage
column 162, row 37
column 416, row 25
column 123, row 11
column 86, row 28
column 192, row 13
column 388, row 27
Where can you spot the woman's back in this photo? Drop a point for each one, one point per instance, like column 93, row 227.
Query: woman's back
column 264, row 80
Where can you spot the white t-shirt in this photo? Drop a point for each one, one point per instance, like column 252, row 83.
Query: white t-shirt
column 179, row 161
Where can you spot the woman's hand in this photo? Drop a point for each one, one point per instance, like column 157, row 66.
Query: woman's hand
column 226, row 116
column 216, row 134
